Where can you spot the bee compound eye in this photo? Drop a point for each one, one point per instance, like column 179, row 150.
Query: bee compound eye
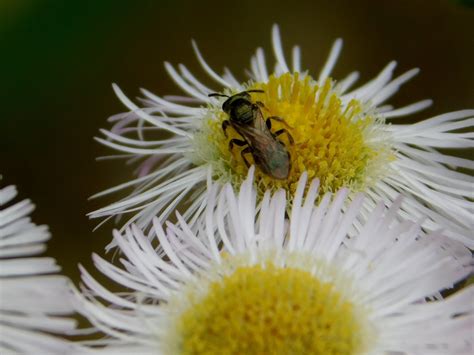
column 226, row 106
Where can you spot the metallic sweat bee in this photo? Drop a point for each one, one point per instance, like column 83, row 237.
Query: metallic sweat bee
column 246, row 117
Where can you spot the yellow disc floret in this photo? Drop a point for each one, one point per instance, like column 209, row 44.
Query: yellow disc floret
column 333, row 139
column 264, row 309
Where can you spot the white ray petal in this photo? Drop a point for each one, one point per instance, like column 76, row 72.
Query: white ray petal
column 296, row 59
column 331, row 61
column 278, row 49
column 145, row 116
column 207, row 68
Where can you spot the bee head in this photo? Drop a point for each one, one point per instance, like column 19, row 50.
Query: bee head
column 238, row 101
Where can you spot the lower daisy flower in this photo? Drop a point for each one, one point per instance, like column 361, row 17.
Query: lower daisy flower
column 341, row 137
column 33, row 299
column 325, row 280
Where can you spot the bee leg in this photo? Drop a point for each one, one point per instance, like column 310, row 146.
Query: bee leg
column 238, row 142
column 279, row 119
column 242, row 154
column 225, row 124
column 268, row 122
column 283, row 130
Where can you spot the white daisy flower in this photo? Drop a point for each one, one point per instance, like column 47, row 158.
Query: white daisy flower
column 33, row 298
column 251, row 281
column 344, row 138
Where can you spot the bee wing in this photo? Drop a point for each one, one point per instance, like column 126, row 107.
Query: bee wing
column 259, row 122
column 268, row 153
column 260, row 140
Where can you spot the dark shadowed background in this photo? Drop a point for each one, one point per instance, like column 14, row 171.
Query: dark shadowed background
column 59, row 58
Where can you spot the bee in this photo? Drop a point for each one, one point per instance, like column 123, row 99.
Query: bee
column 246, row 117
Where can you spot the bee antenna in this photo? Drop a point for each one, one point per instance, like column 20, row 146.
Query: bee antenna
column 217, row 94
column 255, row 90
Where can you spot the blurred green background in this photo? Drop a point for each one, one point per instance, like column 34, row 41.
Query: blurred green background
column 58, row 59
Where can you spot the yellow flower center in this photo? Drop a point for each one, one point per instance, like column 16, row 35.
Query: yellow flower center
column 338, row 142
column 265, row 309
